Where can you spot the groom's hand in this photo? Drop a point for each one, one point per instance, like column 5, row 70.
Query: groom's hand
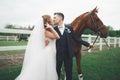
column 91, row 46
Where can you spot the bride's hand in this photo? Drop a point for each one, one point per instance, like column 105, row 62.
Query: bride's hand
column 48, row 26
column 46, row 42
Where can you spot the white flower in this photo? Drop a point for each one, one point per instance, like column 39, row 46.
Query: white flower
column 67, row 30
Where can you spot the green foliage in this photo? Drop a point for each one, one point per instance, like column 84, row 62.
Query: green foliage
column 10, row 26
column 5, row 34
column 109, row 28
column 23, row 35
column 88, row 31
column 117, row 33
column 112, row 32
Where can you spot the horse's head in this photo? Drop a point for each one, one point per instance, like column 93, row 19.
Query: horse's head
column 95, row 24
column 92, row 21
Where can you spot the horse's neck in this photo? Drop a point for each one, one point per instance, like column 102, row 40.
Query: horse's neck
column 79, row 29
column 79, row 24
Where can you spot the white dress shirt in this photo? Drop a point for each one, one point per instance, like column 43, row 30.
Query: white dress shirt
column 61, row 29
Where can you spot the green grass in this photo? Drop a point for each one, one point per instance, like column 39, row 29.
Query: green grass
column 12, row 52
column 104, row 65
column 9, row 73
column 12, row 43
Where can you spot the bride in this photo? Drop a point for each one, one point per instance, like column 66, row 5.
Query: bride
column 40, row 56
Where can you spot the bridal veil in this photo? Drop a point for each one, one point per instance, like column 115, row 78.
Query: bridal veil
column 36, row 42
column 34, row 61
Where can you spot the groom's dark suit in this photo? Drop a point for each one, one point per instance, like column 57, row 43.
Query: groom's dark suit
column 65, row 50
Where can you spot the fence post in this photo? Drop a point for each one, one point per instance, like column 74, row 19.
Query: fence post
column 115, row 41
column 7, row 38
column 100, row 44
column 89, row 41
column 108, row 40
column 15, row 38
column 119, row 41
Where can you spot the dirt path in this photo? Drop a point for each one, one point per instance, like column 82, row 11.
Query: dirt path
column 10, row 59
column 16, row 59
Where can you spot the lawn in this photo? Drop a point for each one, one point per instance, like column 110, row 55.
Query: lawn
column 12, row 43
column 103, row 65
column 12, row 52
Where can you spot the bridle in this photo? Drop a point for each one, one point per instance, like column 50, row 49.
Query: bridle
column 97, row 30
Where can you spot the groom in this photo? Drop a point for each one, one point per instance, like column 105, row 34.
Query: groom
column 63, row 45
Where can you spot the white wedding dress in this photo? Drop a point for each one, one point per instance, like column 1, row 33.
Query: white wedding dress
column 39, row 60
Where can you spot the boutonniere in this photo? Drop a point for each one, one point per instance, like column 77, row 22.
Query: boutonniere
column 67, row 30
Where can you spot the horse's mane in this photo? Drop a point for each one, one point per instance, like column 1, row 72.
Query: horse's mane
column 78, row 22
column 77, row 19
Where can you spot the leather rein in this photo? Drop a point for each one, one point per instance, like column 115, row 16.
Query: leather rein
column 97, row 31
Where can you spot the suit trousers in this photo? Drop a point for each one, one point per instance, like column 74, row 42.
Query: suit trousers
column 67, row 61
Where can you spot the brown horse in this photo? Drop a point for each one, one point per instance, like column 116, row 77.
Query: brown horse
column 91, row 21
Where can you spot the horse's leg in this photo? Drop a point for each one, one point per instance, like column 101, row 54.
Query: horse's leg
column 78, row 62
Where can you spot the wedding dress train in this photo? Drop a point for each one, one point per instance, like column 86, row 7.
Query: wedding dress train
column 39, row 60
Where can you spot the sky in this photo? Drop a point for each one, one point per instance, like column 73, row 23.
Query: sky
column 27, row 12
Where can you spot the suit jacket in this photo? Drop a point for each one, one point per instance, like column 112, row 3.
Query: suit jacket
column 71, row 35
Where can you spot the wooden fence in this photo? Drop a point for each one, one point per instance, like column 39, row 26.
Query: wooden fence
column 111, row 41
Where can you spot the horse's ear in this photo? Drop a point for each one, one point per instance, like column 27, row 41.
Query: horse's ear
column 95, row 10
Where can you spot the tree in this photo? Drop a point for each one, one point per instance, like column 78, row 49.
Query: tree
column 110, row 28
column 10, row 26
column 88, row 31
column 112, row 32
